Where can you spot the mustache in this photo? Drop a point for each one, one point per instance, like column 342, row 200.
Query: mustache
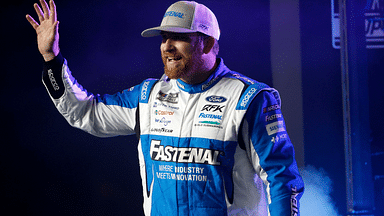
column 172, row 55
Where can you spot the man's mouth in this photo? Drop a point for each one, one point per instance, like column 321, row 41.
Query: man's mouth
column 173, row 59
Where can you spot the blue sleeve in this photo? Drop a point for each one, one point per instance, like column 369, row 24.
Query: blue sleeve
column 272, row 153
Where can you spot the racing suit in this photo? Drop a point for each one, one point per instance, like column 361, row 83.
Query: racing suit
column 200, row 146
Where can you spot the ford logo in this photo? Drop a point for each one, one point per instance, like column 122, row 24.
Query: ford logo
column 216, row 99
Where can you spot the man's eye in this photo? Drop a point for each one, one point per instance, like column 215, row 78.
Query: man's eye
column 175, row 38
column 182, row 38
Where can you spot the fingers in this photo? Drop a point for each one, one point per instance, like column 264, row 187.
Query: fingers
column 47, row 13
column 32, row 21
column 45, row 8
column 39, row 12
column 52, row 5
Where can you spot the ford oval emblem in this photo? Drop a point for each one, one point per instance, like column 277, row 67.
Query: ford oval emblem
column 216, row 99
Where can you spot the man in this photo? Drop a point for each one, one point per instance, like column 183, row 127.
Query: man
column 203, row 130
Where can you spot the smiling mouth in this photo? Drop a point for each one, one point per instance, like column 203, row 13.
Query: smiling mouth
column 173, row 59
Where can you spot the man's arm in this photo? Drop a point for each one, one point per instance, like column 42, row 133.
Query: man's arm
column 47, row 31
column 103, row 116
column 271, row 153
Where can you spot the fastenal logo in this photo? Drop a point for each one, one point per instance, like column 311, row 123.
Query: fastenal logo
column 195, row 155
column 216, row 99
column 273, row 117
column 247, row 96
column 210, row 116
column 144, row 90
column 174, row 14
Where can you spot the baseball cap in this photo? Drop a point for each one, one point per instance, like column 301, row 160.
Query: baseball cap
column 187, row 17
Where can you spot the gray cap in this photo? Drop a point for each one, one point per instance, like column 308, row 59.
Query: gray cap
column 187, row 17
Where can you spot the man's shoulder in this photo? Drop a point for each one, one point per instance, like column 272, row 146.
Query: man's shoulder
column 247, row 81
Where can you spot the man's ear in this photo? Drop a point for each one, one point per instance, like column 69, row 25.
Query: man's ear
column 208, row 44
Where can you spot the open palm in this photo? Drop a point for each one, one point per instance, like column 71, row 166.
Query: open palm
column 47, row 31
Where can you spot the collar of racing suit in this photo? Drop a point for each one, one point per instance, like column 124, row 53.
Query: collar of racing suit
column 215, row 77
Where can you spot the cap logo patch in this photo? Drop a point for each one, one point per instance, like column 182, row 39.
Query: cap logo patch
column 174, row 13
column 204, row 27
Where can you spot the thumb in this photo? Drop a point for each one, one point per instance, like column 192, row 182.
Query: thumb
column 57, row 27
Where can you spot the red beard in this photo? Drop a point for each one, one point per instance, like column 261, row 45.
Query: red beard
column 178, row 69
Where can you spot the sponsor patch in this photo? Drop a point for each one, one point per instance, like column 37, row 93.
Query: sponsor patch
column 271, row 108
column 53, row 80
column 244, row 78
column 212, row 108
column 195, row 155
column 208, row 84
column 210, row 119
column 210, row 124
column 273, row 117
column 294, row 206
column 275, row 127
column 156, row 104
column 164, row 112
column 161, row 130
column 279, row 137
column 174, row 14
column 144, row 90
column 163, row 121
column 246, row 98
column 216, row 99
column 170, row 97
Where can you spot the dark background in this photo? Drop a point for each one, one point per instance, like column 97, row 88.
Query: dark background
column 50, row 168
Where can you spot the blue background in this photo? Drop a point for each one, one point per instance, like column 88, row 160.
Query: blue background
column 50, row 168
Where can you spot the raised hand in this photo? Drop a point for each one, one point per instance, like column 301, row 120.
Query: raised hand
column 48, row 29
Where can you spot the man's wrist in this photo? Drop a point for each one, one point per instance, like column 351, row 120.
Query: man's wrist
column 50, row 56
column 56, row 62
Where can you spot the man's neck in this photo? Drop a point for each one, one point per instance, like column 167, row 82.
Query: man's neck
column 200, row 76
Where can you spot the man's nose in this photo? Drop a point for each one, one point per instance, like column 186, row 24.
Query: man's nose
column 167, row 45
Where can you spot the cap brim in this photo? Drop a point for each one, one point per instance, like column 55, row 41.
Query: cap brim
column 151, row 32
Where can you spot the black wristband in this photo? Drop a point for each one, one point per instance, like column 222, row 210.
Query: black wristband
column 52, row 71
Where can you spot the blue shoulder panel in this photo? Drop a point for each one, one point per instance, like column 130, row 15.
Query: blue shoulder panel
column 127, row 98
column 145, row 90
column 250, row 93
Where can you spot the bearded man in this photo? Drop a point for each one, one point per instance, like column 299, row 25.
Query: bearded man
column 204, row 130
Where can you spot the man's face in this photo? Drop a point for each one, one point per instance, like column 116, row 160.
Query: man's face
column 181, row 54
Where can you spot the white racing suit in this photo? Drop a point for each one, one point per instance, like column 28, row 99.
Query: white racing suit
column 200, row 146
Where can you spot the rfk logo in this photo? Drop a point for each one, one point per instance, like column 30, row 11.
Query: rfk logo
column 212, row 108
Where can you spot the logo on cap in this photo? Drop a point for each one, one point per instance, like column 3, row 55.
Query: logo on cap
column 174, row 13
